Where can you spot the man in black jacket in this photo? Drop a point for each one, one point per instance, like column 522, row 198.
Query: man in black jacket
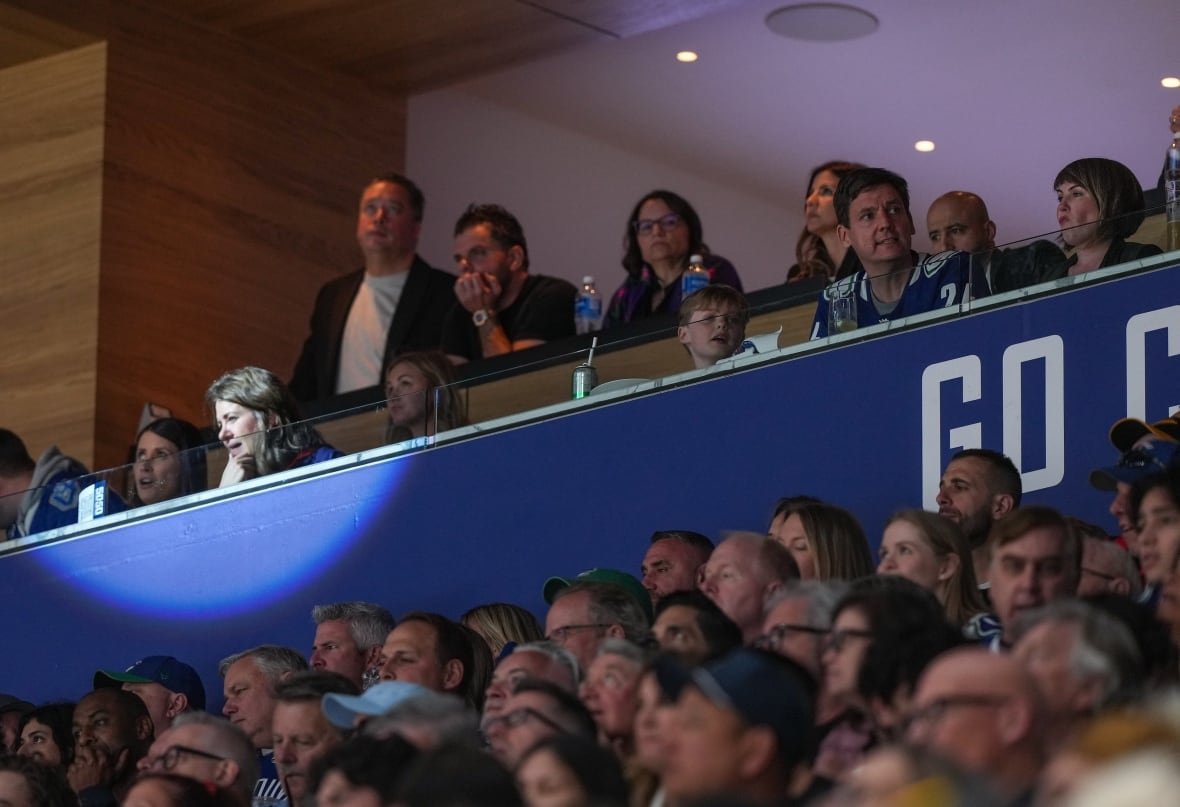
column 395, row 304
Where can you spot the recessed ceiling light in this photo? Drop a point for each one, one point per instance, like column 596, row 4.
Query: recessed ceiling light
column 924, row 145
column 1171, row 82
column 821, row 22
column 686, row 56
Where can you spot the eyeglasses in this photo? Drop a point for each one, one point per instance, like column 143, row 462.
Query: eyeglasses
column 838, row 638
column 518, row 717
column 1097, row 573
column 936, row 710
column 732, row 320
column 774, row 637
column 669, row 222
column 167, row 760
column 560, row 635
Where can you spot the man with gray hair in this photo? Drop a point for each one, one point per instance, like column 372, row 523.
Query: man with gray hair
column 1082, row 660
column 584, row 614
column 741, row 574
column 348, row 639
column 1107, row 567
column 250, row 678
column 798, row 619
column 543, row 661
column 301, row 731
column 611, row 693
column 208, row 749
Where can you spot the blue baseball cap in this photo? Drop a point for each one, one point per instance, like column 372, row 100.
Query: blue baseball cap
column 342, row 710
column 173, row 675
column 1134, row 465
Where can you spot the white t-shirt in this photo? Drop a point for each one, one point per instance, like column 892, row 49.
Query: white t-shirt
column 363, row 347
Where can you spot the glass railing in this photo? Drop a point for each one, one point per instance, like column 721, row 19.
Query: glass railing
column 535, row 384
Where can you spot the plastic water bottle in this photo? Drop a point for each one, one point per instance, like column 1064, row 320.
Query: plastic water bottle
column 696, row 276
column 1172, row 192
column 588, row 307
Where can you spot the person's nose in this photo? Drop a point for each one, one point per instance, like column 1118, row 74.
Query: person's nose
column 942, row 499
column 224, row 434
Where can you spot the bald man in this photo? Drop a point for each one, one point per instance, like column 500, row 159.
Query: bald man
column 958, row 220
column 982, row 711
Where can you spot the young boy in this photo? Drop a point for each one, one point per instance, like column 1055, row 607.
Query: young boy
column 713, row 323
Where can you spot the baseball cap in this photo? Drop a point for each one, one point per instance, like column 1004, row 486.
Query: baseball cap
column 1128, row 431
column 627, row 582
column 173, row 675
column 11, row 703
column 342, row 710
column 1134, row 465
column 762, row 688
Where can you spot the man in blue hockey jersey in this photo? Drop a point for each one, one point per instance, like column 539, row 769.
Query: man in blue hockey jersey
column 873, row 219
column 36, row 496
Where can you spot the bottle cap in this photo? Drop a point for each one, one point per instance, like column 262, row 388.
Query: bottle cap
column 587, row 279
column 694, row 259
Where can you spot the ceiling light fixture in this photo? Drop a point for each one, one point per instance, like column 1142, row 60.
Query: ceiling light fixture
column 1171, row 82
column 687, row 56
column 821, row 22
column 924, row 145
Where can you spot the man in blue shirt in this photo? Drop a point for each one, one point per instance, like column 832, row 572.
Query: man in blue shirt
column 873, row 219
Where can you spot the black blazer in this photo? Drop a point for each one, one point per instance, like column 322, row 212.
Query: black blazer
column 417, row 325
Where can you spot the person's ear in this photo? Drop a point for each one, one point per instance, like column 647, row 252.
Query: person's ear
column 1120, row 585
column 616, row 632
column 144, row 728
column 844, row 235
column 1002, row 505
column 758, row 749
column 452, row 674
column 373, row 656
column 176, row 704
column 515, row 257
column 226, row 772
column 949, row 566
column 682, row 334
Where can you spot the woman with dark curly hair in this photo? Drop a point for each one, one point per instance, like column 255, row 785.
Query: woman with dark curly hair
column 663, row 232
column 47, row 735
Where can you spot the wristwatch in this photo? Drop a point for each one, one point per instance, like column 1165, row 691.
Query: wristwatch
column 480, row 317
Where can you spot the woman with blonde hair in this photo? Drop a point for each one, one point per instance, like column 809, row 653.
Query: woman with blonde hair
column 826, row 541
column 421, row 396
column 259, row 423
column 501, row 623
column 932, row 551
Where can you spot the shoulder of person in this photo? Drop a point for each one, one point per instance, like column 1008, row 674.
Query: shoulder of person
column 844, row 287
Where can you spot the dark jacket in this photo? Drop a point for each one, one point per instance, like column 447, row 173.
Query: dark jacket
column 417, row 325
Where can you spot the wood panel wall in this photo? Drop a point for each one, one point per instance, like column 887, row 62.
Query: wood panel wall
column 51, row 137
column 230, row 181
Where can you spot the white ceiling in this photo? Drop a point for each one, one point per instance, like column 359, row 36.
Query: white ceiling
column 1010, row 90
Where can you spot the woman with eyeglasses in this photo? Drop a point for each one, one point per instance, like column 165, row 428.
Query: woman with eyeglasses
column 663, row 232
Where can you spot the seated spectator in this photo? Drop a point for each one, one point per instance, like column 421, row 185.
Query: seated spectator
column 170, row 790
column 300, row 730
column 361, row 771
column 712, row 324
column 47, row 735
column 1155, row 512
column 428, row 720
column 1036, row 559
column 653, row 727
column 502, row 623
column 932, row 551
column 422, row 397
column 742, row 726
column 501, row 308
column 983, row 711
column 535, row 710
column 743, row 571
column 12, row 710
column 673, row 562
column 959, row 221
column 798, row 620
column 1082, row 660
column 691, row 628
column 819, row 251
column 826, row 541
column 250, row 679
column 539, row 661
column 207, row 749
column 1099, row 205
column 37, row 496
column 586, row 613
column 112, row 731
column 348, row 639
column 977, row 488
column 456, row 775
column 166, row 686
column 169, row 462
column 259, row 423
column 1107, row 566
column 610, row 693
column 570, row 770
column 663, row 232
column 873, row 211
column 24, row 783
column 433, row 651
column 1143, row 450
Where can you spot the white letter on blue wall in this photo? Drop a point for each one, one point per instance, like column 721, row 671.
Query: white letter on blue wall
column 1138, row 327
column 1052, row 350
column 967, row 369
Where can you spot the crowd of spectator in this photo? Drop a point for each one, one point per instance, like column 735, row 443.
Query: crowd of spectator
column 991, row 652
